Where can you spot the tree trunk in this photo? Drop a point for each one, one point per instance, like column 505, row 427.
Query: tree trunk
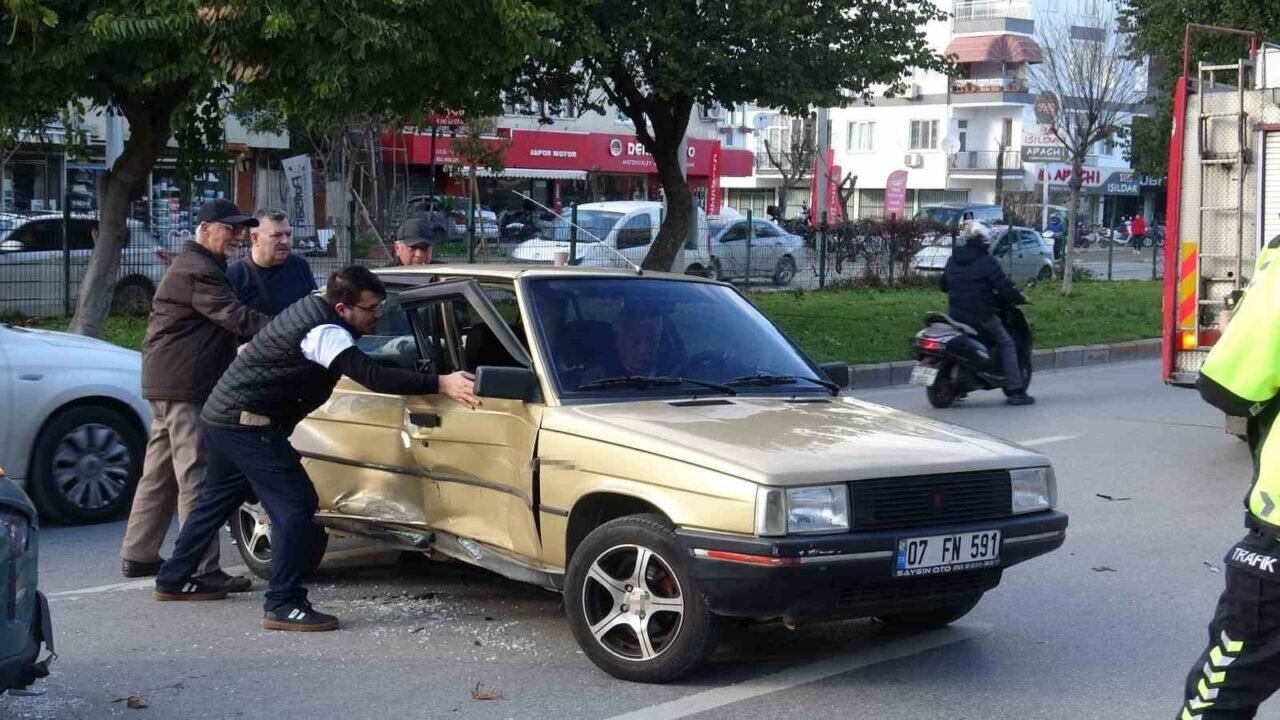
column 1000, row 175
column 149, row 120
column 1068, row 252
column 679, row 210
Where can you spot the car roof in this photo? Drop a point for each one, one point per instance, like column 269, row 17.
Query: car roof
column 958, row 206
column 622, row 206
column 512, row 272
column 33, row 216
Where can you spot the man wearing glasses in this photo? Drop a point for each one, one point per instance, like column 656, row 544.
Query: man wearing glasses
column 272, row 278
column 191, row 338
column 287, row 371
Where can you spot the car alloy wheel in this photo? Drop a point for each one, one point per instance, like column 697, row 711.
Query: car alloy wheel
column 250, row 529
column 632, row 602
column 785, row 271
column 91, row 466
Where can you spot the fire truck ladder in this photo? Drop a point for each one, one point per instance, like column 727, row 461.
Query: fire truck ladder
column 1224, row 155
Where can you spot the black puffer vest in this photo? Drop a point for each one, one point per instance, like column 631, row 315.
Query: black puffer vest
column 271, row 378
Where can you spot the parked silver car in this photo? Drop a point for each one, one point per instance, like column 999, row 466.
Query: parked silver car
column 32, row 263
column 73, row 424
column 772, row 253
column 1022, row 253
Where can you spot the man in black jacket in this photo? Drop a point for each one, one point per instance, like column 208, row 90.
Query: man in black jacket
column 976, row 287
column 287, row 371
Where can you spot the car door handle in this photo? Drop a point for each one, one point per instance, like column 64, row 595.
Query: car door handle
column 424, row 420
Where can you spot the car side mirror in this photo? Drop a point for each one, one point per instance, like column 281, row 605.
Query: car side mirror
column 12, row 246
column 836, row 372
column 507, row 383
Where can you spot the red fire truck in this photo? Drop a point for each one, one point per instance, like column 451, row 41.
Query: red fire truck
column 1224, row 197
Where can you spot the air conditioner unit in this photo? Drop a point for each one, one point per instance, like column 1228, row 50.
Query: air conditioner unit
column 913, row 160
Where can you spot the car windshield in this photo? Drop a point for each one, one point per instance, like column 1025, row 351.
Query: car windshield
column 939, row 215
column 638, row 336
column 596, row 222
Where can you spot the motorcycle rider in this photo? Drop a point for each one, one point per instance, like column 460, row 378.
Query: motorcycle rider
column 976, row 287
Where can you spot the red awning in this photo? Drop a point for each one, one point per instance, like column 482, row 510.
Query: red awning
column 995, row 48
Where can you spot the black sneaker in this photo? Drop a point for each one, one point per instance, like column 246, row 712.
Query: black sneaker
column 191, row 590
column 299, row 617
column 1021, row 399
column 135, row 569
column 232, row 583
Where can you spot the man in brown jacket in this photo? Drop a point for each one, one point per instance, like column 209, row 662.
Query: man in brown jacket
column 191, row 339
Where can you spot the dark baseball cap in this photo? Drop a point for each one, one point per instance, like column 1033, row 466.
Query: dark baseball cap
column 225, row 212
column 414, row 232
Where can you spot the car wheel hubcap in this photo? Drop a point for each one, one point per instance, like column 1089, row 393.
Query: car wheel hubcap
column 785, row 271
column 91, row 466
column 633, row 603
column 256, row 529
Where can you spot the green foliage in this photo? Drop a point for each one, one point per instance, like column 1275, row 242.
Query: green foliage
column 1158, row 28
column 655, row 60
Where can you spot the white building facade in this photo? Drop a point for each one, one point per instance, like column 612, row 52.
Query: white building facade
column 948, row 132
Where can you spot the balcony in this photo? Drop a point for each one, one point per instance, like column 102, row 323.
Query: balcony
column 764, row 166
column 1009, row 90
column 993, row 16
column 982, row 163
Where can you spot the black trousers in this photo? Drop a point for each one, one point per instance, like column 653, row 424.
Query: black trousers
column 1241, row 667
column 263, row 459
column 995, row 331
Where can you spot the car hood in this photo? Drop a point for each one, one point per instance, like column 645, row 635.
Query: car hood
column 538, row 250
column 779, row 441
column 933, row 257
column 101, row 349
column 12, row 497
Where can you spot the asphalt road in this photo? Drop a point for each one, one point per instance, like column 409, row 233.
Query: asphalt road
column 1105, row 627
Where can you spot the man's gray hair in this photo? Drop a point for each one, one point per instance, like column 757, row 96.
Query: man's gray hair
column 271, row 214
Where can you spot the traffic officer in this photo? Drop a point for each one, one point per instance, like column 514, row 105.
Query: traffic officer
column 1241, row 376
column 283, row 374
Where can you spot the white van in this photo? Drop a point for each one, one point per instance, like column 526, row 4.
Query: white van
column 609, row 232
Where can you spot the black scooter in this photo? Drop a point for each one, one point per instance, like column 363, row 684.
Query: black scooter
column 955, row 360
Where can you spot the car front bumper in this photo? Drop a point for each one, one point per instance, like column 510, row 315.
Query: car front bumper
column 851, row 574
column 22, row 666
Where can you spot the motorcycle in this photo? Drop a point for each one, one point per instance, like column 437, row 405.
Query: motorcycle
column 953, row 359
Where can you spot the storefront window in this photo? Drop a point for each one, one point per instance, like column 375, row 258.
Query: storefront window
column 31, row 183
column 168, row 211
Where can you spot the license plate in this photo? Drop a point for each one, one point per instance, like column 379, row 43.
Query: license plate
column 924, row 375
column 941, row 554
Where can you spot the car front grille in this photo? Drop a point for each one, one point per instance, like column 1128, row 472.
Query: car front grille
column 930, row 500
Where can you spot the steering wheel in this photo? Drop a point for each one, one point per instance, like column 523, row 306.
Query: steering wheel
column 703, row 361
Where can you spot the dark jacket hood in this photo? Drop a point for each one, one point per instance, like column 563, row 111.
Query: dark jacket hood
column 968, row 254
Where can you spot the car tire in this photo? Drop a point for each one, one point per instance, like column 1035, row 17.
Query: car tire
column 714, row 271
column 85, row 465
column 942, row 393
column 678, row 637
column 132, row 296
column 251, row 533
column 785, row 271
column 931, row 618
column 1046, row 273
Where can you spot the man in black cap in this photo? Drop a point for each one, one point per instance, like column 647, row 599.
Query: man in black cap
column 191, row 339
column 413, row 243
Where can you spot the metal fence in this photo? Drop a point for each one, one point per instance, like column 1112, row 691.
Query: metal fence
column 44, row 255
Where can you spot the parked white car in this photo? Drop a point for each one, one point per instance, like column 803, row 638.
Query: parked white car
column 73, row 424
column 773, row 251
column 611, row 234
column 1022, row 252
column 32, row 272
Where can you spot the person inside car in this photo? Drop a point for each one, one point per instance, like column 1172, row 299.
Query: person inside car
column 976, row 288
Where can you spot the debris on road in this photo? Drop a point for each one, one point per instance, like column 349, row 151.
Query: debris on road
column 1212, row 568
column 133, row 702
column 1113, row 499
column 478, row 694
column 1103, row 569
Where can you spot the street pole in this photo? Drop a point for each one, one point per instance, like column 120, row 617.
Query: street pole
column 66, row 251
column 573, row 235
column 751, row 234
column 431, row 181
column 1044, row 200
column 820, row 207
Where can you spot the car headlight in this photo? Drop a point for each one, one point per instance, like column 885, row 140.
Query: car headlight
column 802, row 511
column 17, row 529
column 1033, row 490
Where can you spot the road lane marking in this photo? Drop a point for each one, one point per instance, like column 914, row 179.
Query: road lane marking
column 805, row 674
column 1047, row 440
column 151, row 582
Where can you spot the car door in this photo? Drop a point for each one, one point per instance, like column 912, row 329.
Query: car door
column 481, row 460
column 1027, row 255
column 1002, row 251
column 766, row 248
column 6, row 408
column 634, row 234
column 31, row 269
column 731, row 250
